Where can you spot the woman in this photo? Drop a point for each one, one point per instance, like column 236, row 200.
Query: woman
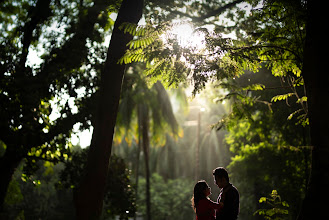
column 202, row 205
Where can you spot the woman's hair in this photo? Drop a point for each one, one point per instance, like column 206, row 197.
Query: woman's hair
column 198, row 193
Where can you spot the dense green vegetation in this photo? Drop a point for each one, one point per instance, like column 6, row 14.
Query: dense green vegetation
column 48, row 194
column 255, row 107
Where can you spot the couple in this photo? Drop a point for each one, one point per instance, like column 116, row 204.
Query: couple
column 227, row 206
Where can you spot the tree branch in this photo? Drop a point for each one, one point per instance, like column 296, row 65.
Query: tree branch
column 215, row 12
column 53, row 160
column 220, row 10
column 37, row 15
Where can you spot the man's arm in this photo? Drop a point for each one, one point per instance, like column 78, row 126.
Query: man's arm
column 235, row 197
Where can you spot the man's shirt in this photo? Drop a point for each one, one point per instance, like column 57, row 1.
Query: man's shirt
column 229, row 195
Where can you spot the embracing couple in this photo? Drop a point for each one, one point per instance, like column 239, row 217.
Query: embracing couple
column 227, row 205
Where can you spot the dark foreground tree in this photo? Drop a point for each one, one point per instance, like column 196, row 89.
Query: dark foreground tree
column 70, row 56
column 315, row 73
column 89, row 199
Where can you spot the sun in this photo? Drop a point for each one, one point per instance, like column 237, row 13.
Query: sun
column 187, row 36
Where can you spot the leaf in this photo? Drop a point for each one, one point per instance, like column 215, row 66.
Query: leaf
column 285, row 204
column 254, row 87
column 263, row 199
column 294, row 113
column 274, row 193
column 302, row 99
column 281, row 97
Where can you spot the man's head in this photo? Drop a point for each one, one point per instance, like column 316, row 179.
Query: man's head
column 221, row 178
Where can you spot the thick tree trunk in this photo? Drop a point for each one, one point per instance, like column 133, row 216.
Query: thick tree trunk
column 89, row 197
column 8, row 164
column 316, row 77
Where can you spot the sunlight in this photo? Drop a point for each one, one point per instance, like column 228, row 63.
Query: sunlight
column 187, row 37
column 83, row 138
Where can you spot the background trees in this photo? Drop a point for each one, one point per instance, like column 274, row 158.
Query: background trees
column 153, row 110
column 270, row 151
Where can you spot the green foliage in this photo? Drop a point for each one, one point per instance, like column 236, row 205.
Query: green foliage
column 52, row 197
column 261, row 166
column 254, row 87
column 270, row 152
column 277, row 208
column 266, row 157
column 281, row 97
column 145, row 36
column 266, row 35
column 165, row 58
column 42, row 200
column 66, row 38
column 170, row 199
column 119, row 198
column 14, row 194
column 273, row 33
column 137, row 92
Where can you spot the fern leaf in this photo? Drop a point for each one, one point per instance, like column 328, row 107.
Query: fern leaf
column 254, row 87
column 281, row 97
column 294, row 113
column 302, row 99
column 155, row 66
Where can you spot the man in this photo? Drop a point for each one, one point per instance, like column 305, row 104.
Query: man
column 229, row 195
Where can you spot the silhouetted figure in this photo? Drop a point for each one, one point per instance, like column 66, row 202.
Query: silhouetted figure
column 202, row 205
column 229, row 195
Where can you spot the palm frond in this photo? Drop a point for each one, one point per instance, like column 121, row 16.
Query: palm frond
column 166, row 107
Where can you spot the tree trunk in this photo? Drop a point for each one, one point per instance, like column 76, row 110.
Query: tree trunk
column 146, row 143
column 8, row 164
column 316, row 77
column 170, row 159
column 139, row 146
column 89, row 197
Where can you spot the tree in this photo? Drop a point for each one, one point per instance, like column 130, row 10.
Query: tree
column 119, row 197
column 154, row 113
column 314, row 67
column 297, row 52
column 90, row 196
column 289, row 56
column 170, row 199
column 269, row 151
column 68, row 63
column 274, row 33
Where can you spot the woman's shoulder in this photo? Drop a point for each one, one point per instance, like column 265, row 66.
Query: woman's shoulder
column 207, row 201
column 204, row 200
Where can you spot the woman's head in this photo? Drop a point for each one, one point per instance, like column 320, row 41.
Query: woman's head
column 201, row 191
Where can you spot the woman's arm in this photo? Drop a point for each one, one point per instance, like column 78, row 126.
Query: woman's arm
column 215, row 205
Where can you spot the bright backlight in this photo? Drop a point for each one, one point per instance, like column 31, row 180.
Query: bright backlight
column 187, row 37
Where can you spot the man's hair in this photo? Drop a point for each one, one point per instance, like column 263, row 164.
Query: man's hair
column 221, row 172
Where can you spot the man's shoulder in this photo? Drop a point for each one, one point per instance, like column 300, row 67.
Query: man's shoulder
column 233, row 190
